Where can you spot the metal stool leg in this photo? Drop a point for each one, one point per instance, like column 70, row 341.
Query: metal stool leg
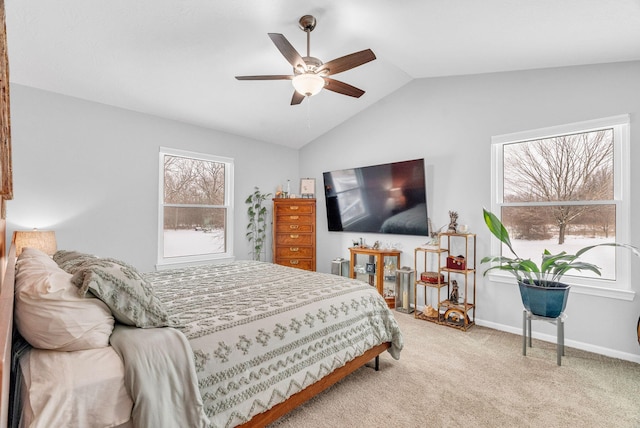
column 524, row 332
column 560, row 339
column 562, row 321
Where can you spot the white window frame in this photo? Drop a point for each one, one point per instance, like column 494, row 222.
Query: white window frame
column 171, row 262
column 620, row 288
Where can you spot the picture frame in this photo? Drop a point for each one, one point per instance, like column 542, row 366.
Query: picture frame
column 370, row 268
column 308, row 187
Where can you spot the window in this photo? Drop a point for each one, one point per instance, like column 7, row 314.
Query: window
column 564, row 188
column 196, row 209
column 348, row 189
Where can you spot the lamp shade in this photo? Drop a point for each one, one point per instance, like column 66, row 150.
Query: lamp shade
column 43, row 240
column 308, row 84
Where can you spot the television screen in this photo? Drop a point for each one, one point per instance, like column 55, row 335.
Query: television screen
column 387, row 198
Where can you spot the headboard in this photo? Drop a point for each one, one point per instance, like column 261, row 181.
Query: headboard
column 7, row 263
column 6, row 322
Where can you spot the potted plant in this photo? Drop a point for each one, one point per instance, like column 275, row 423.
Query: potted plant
column 257, row 227
column 540, row 287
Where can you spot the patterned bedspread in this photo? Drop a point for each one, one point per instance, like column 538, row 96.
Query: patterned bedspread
column 261, row 332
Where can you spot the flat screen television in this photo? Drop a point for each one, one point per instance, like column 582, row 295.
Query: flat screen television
column 387, row 198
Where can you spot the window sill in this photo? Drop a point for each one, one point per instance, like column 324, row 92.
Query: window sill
column 589, row 290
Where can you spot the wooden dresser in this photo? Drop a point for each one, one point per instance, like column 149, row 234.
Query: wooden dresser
column 294, row 232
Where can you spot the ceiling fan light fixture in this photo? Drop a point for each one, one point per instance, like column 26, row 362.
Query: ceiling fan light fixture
column 308, row 84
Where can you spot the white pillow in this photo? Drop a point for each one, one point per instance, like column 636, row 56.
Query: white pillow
column 34, row 253
column 50, row 314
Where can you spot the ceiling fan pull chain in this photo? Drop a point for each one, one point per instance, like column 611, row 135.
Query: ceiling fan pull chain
column 309, row 113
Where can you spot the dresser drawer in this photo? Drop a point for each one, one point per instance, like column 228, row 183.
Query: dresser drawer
column 291, row 251
column 294, row 227
column 294, row 239
column 296, row 218
column 306, row 264
column 294, row 209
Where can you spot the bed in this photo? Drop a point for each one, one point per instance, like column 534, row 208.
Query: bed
column 243, row 343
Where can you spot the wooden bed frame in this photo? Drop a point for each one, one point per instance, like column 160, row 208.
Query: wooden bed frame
column 312, row 390
column 6, row 323
column 262, row 419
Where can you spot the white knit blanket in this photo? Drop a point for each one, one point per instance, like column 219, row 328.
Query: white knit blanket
column 261, row 332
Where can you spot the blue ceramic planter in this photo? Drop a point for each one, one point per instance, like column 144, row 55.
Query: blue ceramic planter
column 544, row 301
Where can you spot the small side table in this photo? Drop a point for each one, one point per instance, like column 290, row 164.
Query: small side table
column 526, row 331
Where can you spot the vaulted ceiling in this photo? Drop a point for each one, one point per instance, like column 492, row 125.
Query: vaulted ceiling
column 177, row 58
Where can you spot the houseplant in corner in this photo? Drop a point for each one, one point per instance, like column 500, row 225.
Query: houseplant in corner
column 540, row 287
column 257, row 227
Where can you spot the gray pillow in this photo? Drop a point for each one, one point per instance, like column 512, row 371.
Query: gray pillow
column 129, row 296
column 70, row 261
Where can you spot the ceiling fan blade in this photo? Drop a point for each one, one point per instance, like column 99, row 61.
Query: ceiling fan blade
column 346, row 62
column 288, row 51
column 266, row 77
column 342, row 88
column 297, row 98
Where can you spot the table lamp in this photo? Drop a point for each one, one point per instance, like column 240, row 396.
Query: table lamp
column 43, row 240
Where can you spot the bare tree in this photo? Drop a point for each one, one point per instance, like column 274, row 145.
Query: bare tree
column 210, row 181
column 197, row 182
column 565, row 168
column 178, row 178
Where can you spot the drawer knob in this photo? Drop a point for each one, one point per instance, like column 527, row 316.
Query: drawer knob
column 293, row 226
column 294, row 217
column 294, row 207
column 294, row 262
column 294, row 249
column 294, row 236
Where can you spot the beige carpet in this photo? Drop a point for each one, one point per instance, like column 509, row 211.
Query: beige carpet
column 479, row 378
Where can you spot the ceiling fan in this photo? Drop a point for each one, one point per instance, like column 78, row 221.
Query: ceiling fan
column 310, row 74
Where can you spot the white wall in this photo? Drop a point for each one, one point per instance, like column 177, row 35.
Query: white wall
column 449, row 121
column 90, row 172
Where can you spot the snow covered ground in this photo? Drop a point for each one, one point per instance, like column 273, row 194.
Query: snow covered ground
column 189, row 242
column 603, row 257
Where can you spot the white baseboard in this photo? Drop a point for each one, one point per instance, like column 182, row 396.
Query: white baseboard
column 571, row 343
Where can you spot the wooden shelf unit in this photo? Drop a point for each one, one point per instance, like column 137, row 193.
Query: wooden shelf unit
column 459, row 315
column 421, row 259
column 465, row 309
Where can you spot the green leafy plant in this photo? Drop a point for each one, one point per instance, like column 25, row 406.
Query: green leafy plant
column 257, row 227
column 553, row 266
